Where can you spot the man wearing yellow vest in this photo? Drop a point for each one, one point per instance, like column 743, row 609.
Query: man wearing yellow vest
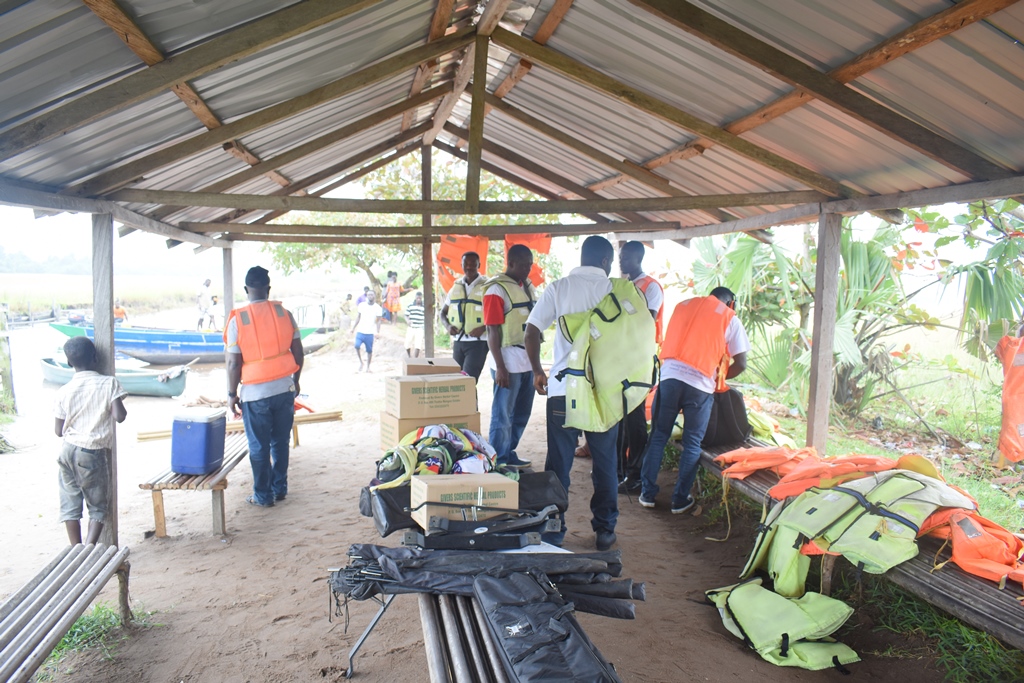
column 634, row 425
column 464, row 314
column 703, row 334
column 507, row 303
column 264, row 354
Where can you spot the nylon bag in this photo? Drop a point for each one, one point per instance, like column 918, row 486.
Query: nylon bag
column 728, row 424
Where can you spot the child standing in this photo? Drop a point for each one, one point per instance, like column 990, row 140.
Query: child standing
column 83, row 411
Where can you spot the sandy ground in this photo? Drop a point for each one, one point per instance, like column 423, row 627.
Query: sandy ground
column 254, row 605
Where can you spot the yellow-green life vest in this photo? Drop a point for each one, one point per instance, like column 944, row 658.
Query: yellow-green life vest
column 513, row 330
column 613, row 361
column 466, row 304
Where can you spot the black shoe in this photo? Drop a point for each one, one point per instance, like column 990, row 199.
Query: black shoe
column 605, row 540
column 628, row 485
column 281, row 496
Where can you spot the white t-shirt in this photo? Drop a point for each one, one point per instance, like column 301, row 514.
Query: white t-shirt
column 736, row 341
column 464, row 336
column 580, row 290
column 655, row 295
column 368, row 315
column 515, row 357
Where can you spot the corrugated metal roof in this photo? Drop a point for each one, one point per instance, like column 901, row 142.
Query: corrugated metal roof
column 969, row 87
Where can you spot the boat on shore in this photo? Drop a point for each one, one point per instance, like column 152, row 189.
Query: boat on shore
column 136, row 381
column 161, row 346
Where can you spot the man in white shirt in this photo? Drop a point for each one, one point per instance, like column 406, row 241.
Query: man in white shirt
column 367, row 324
column 702, row 337
column 581, row 290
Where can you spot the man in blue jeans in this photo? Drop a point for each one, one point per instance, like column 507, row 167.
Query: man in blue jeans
column 264, row 353
column 702, row 337
column 581, row 290
column 508, row 300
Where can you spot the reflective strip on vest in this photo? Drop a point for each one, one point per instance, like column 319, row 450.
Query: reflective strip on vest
column 696, row 334
column 643, row 283
column 612, row 362
column 466, row 307
column 513, row 330
column 265, row 334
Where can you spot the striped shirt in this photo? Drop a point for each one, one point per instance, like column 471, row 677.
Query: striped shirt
column 84, row 405
column 414, row 316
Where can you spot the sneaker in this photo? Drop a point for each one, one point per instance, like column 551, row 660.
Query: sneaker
column 605, row 540
column 280, row 496
column 516, row 463
column 629, row 486
column 680, row 509
column 645, row 501
column 251, row 500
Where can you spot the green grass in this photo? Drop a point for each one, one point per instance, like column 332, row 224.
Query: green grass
column 139, row 294
column 100, row 627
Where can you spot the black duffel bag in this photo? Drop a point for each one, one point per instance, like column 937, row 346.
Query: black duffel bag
column 728, row 425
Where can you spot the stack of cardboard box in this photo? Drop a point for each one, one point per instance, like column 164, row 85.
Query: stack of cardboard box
column 431, row 391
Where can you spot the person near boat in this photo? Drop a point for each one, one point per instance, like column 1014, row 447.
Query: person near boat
column 203, row 302
column 120, row 314
column 264, row 355
column 84, row 413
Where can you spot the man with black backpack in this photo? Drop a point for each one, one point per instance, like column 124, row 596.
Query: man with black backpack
column 702, row 338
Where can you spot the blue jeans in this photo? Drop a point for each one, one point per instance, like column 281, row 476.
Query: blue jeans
column 674, row 397
column 562, row 440
column 510, row 413
column 268, row 426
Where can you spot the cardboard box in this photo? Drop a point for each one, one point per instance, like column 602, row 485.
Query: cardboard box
column 430, row 366
column 392, row 428
column 483, row 490
column 429, row 396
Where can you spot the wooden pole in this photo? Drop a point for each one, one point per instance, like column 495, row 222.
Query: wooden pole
column 476, row 123
column 6, row 367
column 229, row 283
column 826, row 293
column 426, row 186
column 103, row 326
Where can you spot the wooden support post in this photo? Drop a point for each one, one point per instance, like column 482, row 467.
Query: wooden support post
column 229, row 284
column 828, row 564
column 426, row 185
column 103, row 326
column 219, row 527
column 158, row 513
column 6, row 367
column 476, row 123
column 123, row 597
column 826, row 293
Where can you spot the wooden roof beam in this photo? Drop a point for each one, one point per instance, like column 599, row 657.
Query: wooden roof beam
column 438, row 25
column 384, row 231
column 541, row 37
column 374, row 73
column 204, row 58
column 730, row 39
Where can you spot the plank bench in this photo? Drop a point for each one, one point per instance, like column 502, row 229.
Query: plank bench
column 236, row 448
column 35, row 619
column 973, row 600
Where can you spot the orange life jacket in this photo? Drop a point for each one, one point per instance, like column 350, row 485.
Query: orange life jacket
column 743, row 462
column 696, row 334
column 1010, row 351
column 824, row 473
column 980, row 546
column 643, row 283
column 265, row 333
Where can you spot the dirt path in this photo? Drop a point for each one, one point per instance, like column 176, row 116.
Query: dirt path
column 253, row 606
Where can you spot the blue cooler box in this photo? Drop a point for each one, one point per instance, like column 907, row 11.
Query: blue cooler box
column 197, row 441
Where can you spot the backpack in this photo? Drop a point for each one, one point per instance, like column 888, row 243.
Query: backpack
column 728, row 424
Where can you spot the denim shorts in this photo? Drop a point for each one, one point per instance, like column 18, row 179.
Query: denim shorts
column 364, row 340
column 82, row 476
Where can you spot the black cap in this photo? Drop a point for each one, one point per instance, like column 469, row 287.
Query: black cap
column 257, row 277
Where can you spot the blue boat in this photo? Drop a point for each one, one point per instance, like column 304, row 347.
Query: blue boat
column 163, row 347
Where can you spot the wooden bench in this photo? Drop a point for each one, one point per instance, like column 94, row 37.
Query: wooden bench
column 236, row 448
column 35, row 619
column 973, row 600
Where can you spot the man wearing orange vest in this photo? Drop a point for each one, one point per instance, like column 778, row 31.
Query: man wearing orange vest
column 264, row 354
column 703, row 334
column 634, row 426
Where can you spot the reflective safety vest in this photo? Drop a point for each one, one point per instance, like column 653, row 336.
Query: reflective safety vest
column 466, row 304
column 265, row 333
column 613, row 361
column 1010, row 351
column 642, row 284
column 785, row 631
column 513, row 330
column 696, row 334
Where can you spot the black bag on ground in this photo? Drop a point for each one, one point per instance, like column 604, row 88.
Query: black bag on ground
column 536, row 632
column 728, row 424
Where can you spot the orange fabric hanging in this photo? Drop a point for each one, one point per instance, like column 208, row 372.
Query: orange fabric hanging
column 449, row 256
column 539, row 243
column 743, row 462
column 980, row 546
column 1010, row 351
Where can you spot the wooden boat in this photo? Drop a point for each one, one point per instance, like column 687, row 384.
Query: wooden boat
column 163, row 347
column 137, row 382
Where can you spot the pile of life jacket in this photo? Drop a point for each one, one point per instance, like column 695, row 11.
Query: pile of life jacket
column 437, row 449
column 870, row 510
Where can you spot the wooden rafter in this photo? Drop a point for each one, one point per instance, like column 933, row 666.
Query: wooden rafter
column 372, row 74
column 204, row 58
column 350, row 230
column 541, row 37
column 438, row 25
column 476, row 120
column 728, row 38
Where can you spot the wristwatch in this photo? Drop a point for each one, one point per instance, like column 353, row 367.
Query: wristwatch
column 232, row 394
